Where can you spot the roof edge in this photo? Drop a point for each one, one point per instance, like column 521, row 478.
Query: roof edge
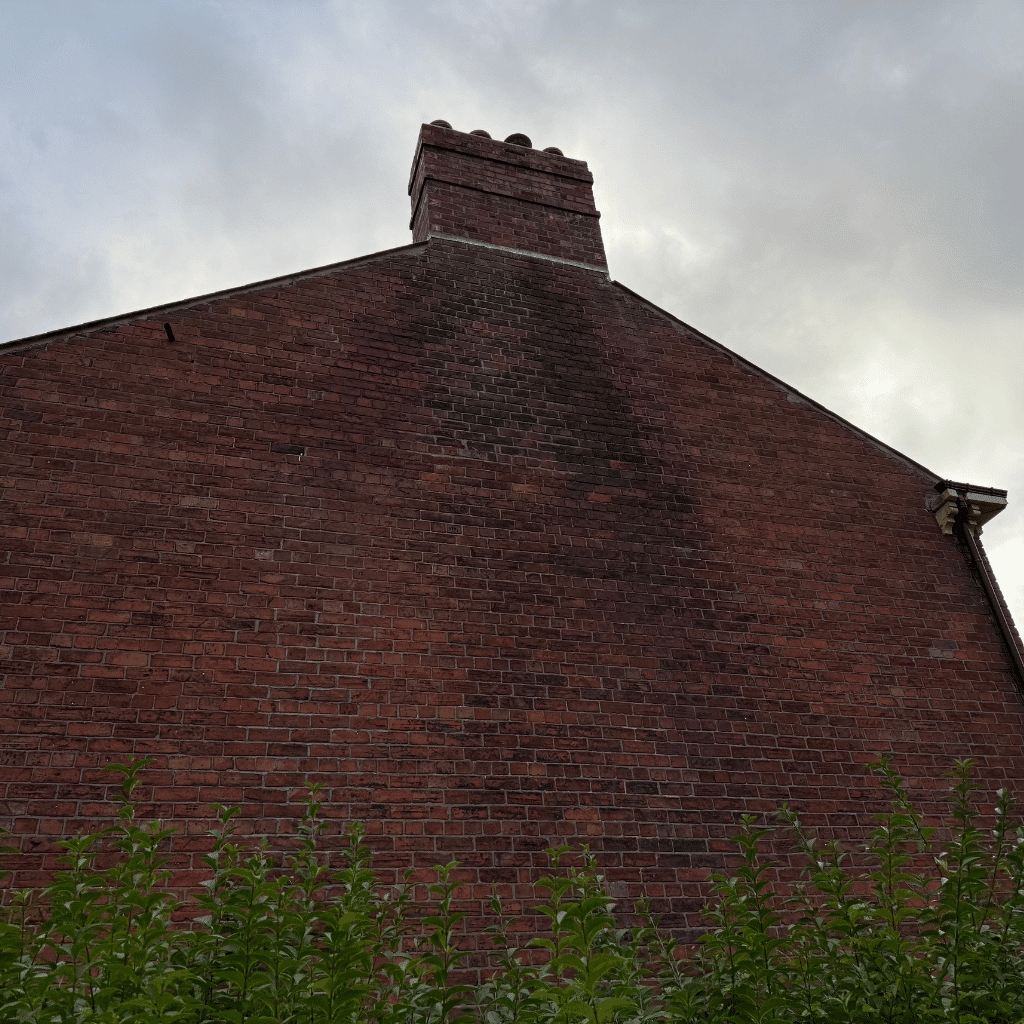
column 886, row 449
column 39, row 340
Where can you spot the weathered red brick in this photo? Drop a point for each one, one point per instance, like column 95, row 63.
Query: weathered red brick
column 550, row 567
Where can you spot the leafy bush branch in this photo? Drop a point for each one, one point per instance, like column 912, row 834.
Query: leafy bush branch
column 911, row 926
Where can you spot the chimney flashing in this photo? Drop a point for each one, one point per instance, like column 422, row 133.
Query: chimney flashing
column 522, row 252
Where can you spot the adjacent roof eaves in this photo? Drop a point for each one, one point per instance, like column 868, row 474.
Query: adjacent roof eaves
column 887, row 450
column 63, row 333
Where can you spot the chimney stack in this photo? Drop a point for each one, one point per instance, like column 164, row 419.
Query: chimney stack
column 470, row 186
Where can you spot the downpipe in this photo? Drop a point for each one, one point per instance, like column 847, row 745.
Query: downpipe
column 963, row 522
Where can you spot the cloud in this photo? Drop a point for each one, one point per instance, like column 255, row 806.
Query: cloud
column 830, row 189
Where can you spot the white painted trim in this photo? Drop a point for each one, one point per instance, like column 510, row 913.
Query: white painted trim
column 521, row 252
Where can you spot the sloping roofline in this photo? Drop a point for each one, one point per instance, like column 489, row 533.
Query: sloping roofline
column 798, row 396
column 39, row 340
column 65, row 333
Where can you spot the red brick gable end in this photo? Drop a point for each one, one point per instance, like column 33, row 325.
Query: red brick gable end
column 497, row 551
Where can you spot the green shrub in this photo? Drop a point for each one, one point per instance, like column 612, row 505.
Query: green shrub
column 908, row 927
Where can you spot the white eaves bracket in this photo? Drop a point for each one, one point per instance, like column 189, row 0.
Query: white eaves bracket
column 979, row 503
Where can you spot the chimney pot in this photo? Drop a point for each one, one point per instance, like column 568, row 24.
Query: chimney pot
column 441, row 124
column 518, row 139
column 555, row 150
column 481, row 133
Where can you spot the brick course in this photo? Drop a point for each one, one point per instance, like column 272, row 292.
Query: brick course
column 497, row 551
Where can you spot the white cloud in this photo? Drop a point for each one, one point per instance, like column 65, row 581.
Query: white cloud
column 831, row 189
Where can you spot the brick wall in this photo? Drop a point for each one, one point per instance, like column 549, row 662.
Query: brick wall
column 495, row 550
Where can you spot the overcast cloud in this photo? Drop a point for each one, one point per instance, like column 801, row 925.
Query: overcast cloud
column 831, row 189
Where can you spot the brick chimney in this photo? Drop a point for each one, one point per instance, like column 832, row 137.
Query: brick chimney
column 468, row 185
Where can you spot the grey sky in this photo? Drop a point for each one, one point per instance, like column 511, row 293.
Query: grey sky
column 830, row 189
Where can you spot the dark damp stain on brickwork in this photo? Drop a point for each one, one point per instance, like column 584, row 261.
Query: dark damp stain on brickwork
column 495, row 550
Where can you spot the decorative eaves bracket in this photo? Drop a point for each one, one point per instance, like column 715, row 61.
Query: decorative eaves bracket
column 979, row 503
column 969, row 508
